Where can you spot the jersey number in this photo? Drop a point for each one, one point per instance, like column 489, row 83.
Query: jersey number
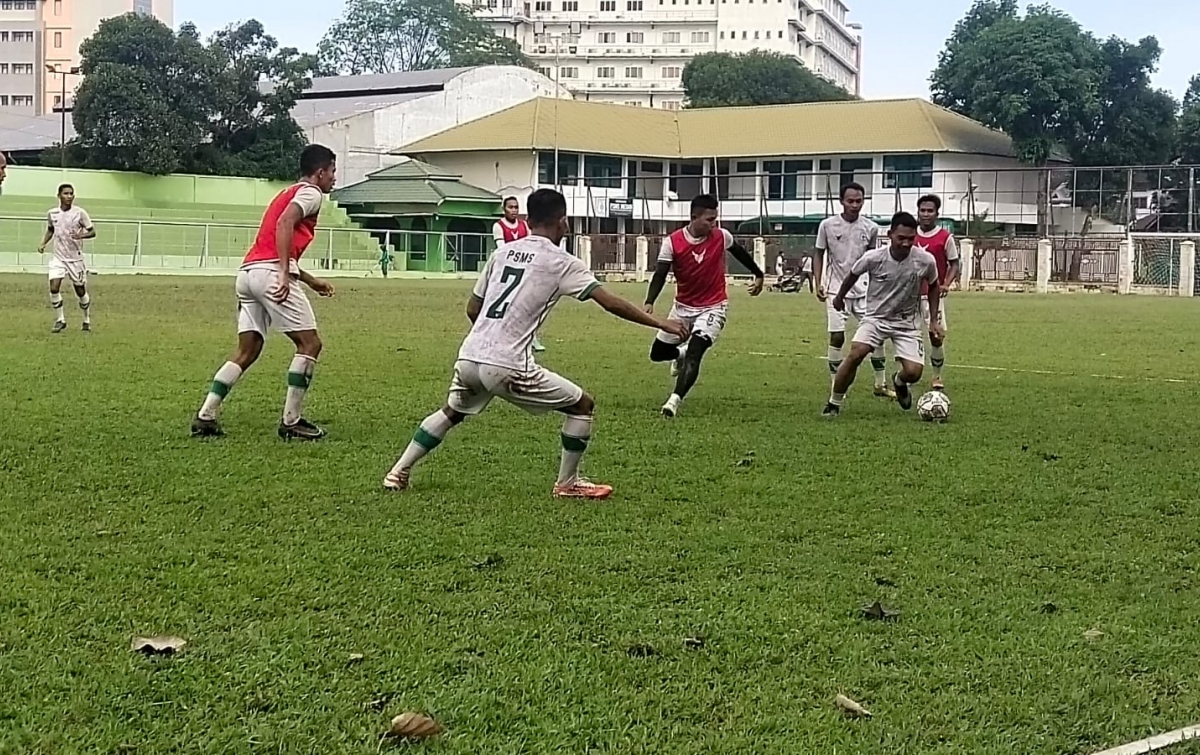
column 512, row 276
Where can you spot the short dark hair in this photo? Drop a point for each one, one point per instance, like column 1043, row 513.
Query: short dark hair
column 702, row 202
column 64, row 187
column 315, row 157
column 903, row 220
column 933, row 199
column 853, row 185
column 509, row 199
column 545, row 206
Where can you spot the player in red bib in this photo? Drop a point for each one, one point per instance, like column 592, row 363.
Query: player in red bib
column 509, row 229
column 268, row 292
column 940, row 243
column 696, row 254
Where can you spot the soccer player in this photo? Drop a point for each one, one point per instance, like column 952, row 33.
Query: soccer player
column 508, row 229
column 696, row 253
column 940, row 243
column 780, row 264
column 268, row 292
column 896, row 277
column 841, row 240
column 68, row 226
column 806, row 272
column 519, row 286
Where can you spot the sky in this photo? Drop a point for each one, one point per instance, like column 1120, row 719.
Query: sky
column 901, row 37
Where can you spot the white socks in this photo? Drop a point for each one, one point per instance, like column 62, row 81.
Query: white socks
column 85, row 304
column 56, row 301
column 428, row 436
column 576, row 432
column 299, row 378
column 937, row 359
column 879, row 365
column 834, row 357
column 222, row 383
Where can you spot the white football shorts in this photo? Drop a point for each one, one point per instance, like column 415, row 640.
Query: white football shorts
column 941, row 313
column 906, row 337
column 856, row 308
column 536, row 390
column 257, row 311
column 705, row 321
column 73, row 270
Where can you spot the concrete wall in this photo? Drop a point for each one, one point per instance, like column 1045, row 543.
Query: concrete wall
column 151, row 191
column 502, row 172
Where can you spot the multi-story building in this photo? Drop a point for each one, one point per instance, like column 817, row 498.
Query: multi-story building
column 632, row 52
column 39, row 46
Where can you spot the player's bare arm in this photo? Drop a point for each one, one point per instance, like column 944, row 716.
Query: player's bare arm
column 46, row 238
column 953, row 270
column 935, row 304
column 320, row 285
column 84, row 234
column 741, row 255
column 657, row 282
column 474, row 307
column 284, row 230
column 839, row 301
column 615, row 305
column 818, row 267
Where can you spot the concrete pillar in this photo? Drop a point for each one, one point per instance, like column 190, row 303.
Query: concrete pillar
column 966, row 261
column 1125, row 267
column 760, row 252
column 1045, row 249
column 642, row 258
column 1187, row 268
column 585, row 250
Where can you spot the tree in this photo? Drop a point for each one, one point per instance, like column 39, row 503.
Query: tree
column 385, row 36
column 1189, row 124
column 719, row 79
column 160, row 102
column 1033, row 77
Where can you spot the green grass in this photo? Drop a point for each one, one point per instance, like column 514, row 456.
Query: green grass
column 278, row 561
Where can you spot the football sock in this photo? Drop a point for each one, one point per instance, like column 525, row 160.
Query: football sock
column 834, row 357
column 221, row 385
column 57, row 303
column 428, row 436
column 836, row 398
column 690, row 355
column 879, row 365
column 937, row 358
column 85, row 304
column 576, row 432
column 299, row 378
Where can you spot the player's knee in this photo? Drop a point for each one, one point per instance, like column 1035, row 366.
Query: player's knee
column 585, row 406
column 697, row 345
column 80, row 291
column 837, row 340
column 308, row 343
column 661, row 351
column 454, row 417
column 910, row 372
column 935, row 341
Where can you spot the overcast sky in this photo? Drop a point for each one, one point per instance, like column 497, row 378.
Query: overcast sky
column 902, row 37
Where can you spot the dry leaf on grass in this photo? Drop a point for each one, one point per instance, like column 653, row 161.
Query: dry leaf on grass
column 851, row 708
column 1093, row 634
column 355, row 658
column 694, row 642
column 879, row 612
column 414, row 726
column 162, row 644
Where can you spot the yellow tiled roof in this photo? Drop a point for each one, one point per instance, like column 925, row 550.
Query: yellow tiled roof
column 822, row 128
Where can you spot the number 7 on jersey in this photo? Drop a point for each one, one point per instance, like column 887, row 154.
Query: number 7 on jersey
column 512, row 276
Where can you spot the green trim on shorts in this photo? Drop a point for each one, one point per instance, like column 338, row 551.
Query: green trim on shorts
column 586, row 293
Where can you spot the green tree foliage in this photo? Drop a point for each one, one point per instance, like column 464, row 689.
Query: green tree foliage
column 1189, row 124
column 721, row 79
column 385, row 36
column 160, row 102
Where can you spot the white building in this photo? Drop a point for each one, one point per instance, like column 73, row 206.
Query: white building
column 632, row 52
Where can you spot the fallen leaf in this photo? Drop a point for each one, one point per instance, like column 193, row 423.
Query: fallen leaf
column 355, row 658
column 414, row 726
column 1093, row 635
column 489, row 561
column 851, row 708
column 878, row 612
column 641, row 650
column 163, row 644
column 694, row 642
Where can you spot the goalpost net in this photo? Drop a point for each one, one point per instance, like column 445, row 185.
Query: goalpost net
column 1156, row 258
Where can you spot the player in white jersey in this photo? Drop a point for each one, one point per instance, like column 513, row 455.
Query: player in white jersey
column 68, row 226
column 841, row 240
column 893, row 310
column 519, row 286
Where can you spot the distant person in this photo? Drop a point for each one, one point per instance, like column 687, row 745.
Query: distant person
column 779, row 266
column 268, row 292
column 806, row 272
column 68, row 226
column 512, row 228
column 3, row 166
column 939, row 242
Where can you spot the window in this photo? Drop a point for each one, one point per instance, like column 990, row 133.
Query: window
column 633, row 72
column 825, row 165
column 3, row 36
column 58, row 7
column 608, row 5
column 756, row 35
column 570, row 6
column 19, row 100
column 670, row 37
column 542, row 5
column 606, row 72
column 722, row 35
column 23, row 68
column 672, row 72
column 699, row 36
column 568, row 168
column 57, row 100
column 7, row 4
column 602, row 172
column 857, row 169
column 635, row 37
column 743, row 35
column 568, row 72
column 22, row 36
column 606, row 37
column 671, row 105
column 3, row 100
column 632, row 103
column 797, row 179
column 3, row 68
column 908, row 171
column 745, row 167
column 544, row 71
column 57, row 39
column 633, row 4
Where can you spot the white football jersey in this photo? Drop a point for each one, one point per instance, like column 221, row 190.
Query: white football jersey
column 519, row 286
column 65, row 223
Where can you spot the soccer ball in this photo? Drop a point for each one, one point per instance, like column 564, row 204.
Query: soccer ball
column 934, row 407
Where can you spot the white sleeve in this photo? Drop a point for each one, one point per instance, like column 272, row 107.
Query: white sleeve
column 481, row 283
column 822, row 238
column 308, row 199
column 728, row 239
column 667, row 252
column 874, row 234
column 931, row 273
column 577, row 281
column 50, row 218
column 951, row 248
column 497, row 233
column 864, row 263
column 85, row 220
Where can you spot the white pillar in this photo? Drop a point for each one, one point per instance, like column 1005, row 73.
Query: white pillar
column 760, row 253
column 642, row 257
column 1187, row 268
column 1125, row 267
column 1045, row 249
column 966, row 262
column 585, row 250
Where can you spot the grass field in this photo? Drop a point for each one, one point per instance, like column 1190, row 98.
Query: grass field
column 1052, row 504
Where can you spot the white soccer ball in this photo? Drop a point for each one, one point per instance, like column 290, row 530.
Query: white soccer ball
column 934, row 407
